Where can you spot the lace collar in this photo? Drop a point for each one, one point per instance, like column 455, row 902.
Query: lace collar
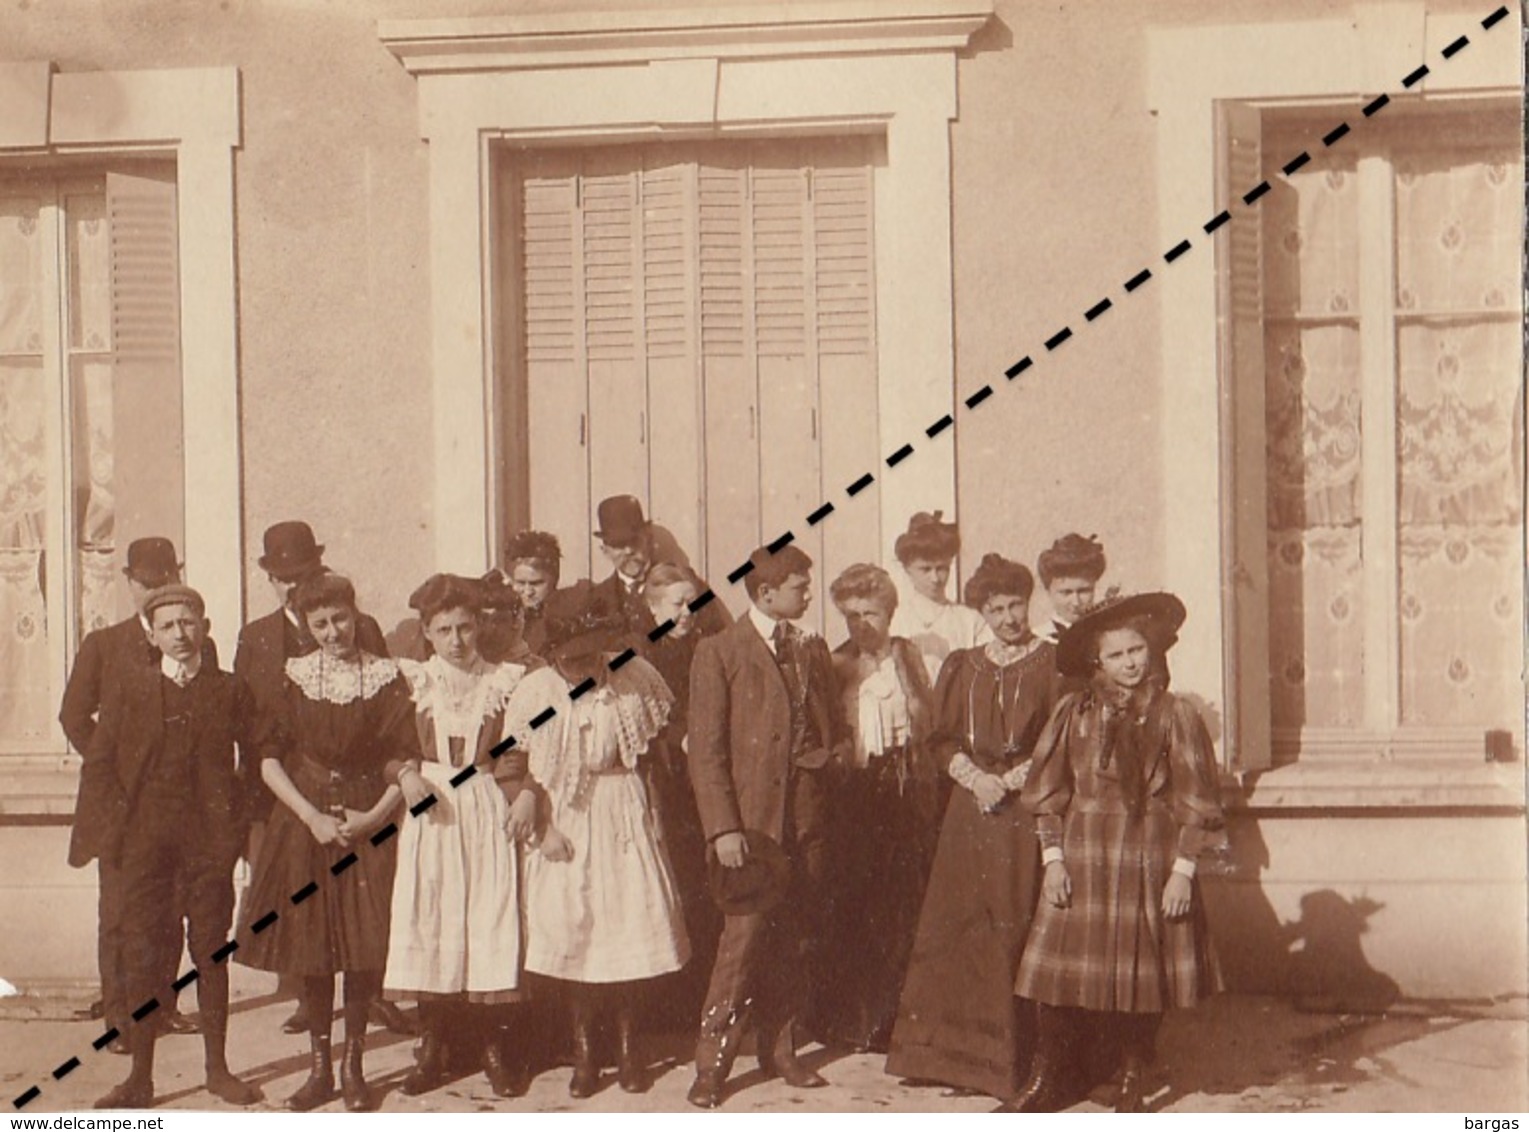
column 441, row 689
column 1001, row 655
column 324, row 679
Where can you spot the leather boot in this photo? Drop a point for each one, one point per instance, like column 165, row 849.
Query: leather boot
column 505, row 1070
column 429, row 1071
column 320, row 1084
column 138, row 1090
column 358, row 1098
column 586, row 1071
column 631, row 1074
column 1046, row 1088
column 220, row 1082
column 777, row 1058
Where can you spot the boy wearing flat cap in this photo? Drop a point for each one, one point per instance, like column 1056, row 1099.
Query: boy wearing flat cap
column 105, row 654
column 160, row 799
column 765, row 734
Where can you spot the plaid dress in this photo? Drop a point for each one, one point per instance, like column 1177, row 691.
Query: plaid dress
column 1113, row 949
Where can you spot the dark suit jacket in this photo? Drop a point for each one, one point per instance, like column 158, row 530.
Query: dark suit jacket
column 740, row 729
column 123, row 746
column 610, row 593
column 103, row 655
column 260, row 660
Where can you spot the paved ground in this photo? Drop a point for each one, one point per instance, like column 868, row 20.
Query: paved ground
column 1234, row 1054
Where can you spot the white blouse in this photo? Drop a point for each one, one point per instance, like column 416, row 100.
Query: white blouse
column 937, row 629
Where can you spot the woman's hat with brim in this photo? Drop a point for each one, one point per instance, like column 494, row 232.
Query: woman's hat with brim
column 595, row 631
column 1075, row 651
column 755, row 886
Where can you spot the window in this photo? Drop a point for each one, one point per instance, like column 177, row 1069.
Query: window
column 1372, row 359
column 693, row 321
column 90, row 415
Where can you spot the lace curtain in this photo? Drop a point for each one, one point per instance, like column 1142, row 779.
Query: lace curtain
column 1458, row 414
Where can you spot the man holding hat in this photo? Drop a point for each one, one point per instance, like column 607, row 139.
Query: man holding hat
column 765, row 733
column 105, row 654
column 292, row 556
column 634, row 545
column 160, row 798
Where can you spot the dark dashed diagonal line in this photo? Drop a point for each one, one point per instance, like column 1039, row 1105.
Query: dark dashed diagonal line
column 780, row 543
column 264, row 922
column 739, row 572
column 701, row 602
column 303, row 893
column 939, row 426
column 582, row 688
column 185, row 980
column 1136, row 281
column 66, row 1068
column 423, row 804
column 463, row 775
column 542, row 717
column 1216, row 221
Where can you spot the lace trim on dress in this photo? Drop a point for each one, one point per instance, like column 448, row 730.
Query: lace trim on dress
column 636, row 702
column 341, row 681
column 438, row 688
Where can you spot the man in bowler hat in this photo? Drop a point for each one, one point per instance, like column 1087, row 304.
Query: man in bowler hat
column 634, row 545
column 104, row 656
column 765, row 734
column 161, row 798
column 291, row 556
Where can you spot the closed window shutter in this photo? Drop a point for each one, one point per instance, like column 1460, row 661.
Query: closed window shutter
column 149, row 468
column 1248, row 744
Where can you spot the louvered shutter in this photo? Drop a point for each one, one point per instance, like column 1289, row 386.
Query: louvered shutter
column 557, row 396
column 148, row 457
column 1247, row 745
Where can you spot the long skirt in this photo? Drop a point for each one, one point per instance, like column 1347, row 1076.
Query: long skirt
column 612, row 913
column 343, row 925
column 886, row 834
column 958, row 1021
column 1113, row 949
column 456, row 896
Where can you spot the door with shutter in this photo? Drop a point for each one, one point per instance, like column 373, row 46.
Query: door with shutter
column 694, row 324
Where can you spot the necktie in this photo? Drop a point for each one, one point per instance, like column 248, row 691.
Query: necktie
column 181, row 677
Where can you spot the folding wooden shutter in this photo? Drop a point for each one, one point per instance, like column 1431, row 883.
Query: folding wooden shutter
column 1247, row 744
column 148, row 457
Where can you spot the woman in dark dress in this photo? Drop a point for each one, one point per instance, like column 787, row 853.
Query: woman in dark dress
column 533, row 563
column 1124, row 789
column 889, row 820
column 958, row 1022
column 347, row 714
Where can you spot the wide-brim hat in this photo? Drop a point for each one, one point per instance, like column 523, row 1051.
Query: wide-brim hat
column 291, row 551
column 152, row 561
column 1074, row 653
column 593, row 631
column 621, row 520
column 755, row 886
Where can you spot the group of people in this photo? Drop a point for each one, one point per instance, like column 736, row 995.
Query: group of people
column 566, row 813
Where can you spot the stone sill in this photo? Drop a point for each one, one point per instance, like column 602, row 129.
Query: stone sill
column 1375, row 784
column 39, row 786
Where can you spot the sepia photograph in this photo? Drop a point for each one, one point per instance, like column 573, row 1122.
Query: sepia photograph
column 762, row 556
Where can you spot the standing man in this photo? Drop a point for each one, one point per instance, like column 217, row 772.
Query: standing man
column 104, row 656
column 292, row 556
column 764, row 737
column 634, row 545
column 160, row 797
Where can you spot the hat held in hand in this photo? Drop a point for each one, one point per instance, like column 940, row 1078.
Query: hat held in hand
column 755, row 886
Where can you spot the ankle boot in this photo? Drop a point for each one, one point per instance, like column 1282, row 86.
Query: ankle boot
column 429, row 1069
column 631, row 1075
column 586, row 1071
column 358, row 1098
column 1046, row 1088
column 505, row 1070
column 320, row 1084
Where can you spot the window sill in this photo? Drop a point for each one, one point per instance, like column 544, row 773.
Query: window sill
column 39, row 786
column 1378, row 784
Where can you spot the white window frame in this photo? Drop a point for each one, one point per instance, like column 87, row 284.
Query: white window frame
column 191, row 116
column 1349, row 57
column 580, row 77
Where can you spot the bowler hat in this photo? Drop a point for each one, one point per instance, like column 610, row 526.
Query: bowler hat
column 151, row 561
column 755, row 886
column 621, row 520
column 1164, row 612
column 290, row 551
column 175, row 594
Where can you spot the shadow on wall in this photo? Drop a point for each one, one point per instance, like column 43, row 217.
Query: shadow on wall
column 1316, row 961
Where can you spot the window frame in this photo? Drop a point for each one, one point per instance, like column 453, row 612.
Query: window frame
column 1316, row 62
column 190, row 117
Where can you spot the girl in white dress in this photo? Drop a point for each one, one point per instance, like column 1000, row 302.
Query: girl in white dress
column 601, row 905
column 925, row 614
column 455, row 937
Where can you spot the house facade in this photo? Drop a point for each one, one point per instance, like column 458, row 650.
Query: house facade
column 425, row 273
